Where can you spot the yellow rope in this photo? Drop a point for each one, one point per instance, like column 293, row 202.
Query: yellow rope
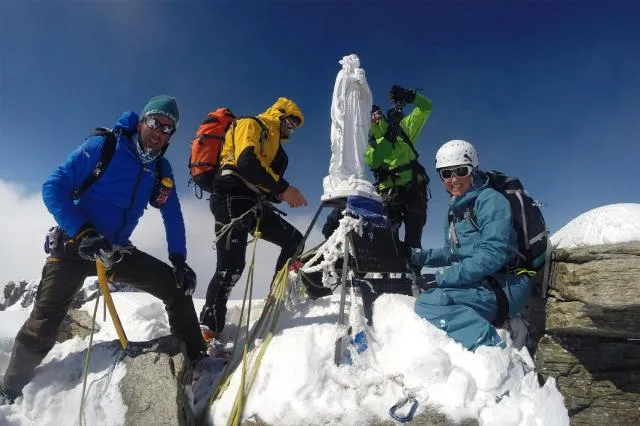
column 272, row 312
column 248, row 295
column 279, row 294
column 232, row 364
column 268, row 318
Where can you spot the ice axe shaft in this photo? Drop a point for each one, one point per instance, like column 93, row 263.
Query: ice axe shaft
column 104, row 287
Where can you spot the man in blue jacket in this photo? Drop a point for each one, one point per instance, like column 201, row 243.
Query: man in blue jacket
column 95, row 221
column 480, row 241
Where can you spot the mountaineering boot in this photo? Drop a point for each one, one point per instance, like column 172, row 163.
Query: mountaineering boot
column 212, row 322
column 207, row 334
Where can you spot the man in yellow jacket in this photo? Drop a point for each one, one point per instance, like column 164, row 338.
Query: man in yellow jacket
column 252, row 166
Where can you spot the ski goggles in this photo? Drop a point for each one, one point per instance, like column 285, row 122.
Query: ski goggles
column 458, row 171
column 153, row 123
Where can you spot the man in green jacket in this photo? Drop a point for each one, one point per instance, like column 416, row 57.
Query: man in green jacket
column 400, row 179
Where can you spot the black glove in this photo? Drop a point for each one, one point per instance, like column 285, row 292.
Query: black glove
column 401, row 95
column 93, row 244
column 426, row 281
column 184, row 275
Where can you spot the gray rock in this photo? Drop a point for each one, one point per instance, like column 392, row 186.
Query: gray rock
column 598, row 377
column 12, row 292
column 593, row 316
column 429, row 417
column 76, row 323
column 154, row 385
column 595, row 290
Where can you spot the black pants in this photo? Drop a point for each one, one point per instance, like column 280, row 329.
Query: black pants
column 62, row 277
column 232, row 246
column 408, row 204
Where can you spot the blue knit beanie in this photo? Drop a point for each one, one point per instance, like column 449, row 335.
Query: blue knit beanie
column 162, row 105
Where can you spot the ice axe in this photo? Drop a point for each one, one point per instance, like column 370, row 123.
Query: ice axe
column 104, row 287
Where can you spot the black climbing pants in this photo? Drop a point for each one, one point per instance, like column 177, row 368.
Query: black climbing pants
column 231, row 247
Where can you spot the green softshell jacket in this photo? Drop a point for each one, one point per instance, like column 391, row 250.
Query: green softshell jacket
column 381, row 153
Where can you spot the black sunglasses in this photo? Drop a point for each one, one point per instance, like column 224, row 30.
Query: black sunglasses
column 152, row 123
column 459, row 171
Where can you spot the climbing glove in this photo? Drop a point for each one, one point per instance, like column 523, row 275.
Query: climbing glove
column 183, row 274
column 93, row 244
column 401, row 95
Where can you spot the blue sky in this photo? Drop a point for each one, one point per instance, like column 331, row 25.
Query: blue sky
column 547, row 91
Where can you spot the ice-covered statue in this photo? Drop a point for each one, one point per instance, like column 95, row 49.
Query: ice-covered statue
column 350, row 123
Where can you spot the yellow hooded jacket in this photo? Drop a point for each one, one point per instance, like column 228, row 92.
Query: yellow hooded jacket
column 257, row 155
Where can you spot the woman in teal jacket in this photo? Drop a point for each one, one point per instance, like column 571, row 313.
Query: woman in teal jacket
column 463, row 299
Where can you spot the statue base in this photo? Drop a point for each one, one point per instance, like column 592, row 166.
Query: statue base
column 337, row 187
column 343, row 193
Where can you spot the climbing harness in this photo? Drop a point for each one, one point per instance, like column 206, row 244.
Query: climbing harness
column 226, row 227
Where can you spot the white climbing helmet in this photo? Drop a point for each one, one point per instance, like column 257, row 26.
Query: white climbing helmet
column 456, row 153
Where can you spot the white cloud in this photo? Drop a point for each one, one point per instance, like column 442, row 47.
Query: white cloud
column 24, row 221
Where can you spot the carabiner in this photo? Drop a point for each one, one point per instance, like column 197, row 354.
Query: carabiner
column 402, row 403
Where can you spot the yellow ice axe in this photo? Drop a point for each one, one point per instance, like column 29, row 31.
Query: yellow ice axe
column 102, row 279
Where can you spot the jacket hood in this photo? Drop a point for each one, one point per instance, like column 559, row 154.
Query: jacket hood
column 281, row 108
column 127, row 123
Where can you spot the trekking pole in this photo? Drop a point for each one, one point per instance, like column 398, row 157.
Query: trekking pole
column 104, row 286
column 300, row 247
column 343, row 341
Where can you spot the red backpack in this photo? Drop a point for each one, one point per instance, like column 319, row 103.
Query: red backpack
column 206, row 148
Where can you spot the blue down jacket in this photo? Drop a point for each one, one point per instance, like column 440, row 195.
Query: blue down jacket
column 462, row 303
column 116, row 201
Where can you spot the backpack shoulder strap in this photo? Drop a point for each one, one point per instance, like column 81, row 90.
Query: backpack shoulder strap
column 263, row 128
column 405, row 138
column 416, row 166
column 471, row 215
column 108, row 149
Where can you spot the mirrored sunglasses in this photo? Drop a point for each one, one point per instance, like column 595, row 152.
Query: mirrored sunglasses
column 292, row 122
column 459, row 171
column 152, row 123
